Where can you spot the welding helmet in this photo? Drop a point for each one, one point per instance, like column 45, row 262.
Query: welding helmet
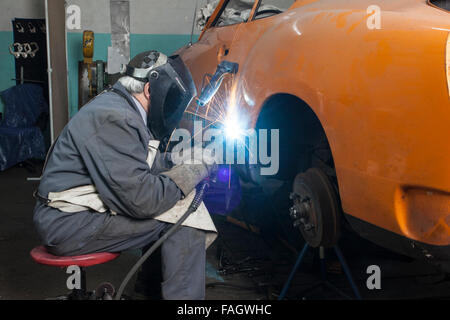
column 171, row 90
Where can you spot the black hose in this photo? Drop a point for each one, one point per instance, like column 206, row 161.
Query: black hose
column 195, row 204
column 230, row 285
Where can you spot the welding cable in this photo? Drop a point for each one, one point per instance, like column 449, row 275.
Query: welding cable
column 195, row 204
column 230, row 285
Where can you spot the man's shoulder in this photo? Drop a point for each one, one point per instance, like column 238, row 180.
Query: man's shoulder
column 108, row 108
column 107, row 105
column 108, row 114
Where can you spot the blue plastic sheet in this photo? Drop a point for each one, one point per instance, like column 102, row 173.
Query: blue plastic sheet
column 18, row 145
column 23, row 106
column 20, row 138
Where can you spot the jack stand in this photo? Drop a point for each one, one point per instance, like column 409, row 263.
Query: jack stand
column 324, row 281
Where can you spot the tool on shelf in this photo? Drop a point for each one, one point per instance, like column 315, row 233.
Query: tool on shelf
column 91, row 74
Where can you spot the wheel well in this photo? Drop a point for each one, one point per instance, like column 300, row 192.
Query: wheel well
column 303, row 142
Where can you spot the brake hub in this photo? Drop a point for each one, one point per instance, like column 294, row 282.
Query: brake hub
column 315, row 211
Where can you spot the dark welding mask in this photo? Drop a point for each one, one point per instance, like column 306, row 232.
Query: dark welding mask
column 171, row 90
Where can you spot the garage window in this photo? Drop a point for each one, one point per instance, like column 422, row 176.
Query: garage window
column 236, row 11
column 268, row 8
column 444, row 4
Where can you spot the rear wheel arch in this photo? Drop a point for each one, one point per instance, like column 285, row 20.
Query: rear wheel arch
column 304, row 147
column 303, row 141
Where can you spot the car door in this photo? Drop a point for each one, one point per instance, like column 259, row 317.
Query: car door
column 216, row 44
column 229, row 35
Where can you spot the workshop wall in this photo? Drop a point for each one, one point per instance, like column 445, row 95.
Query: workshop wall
column 160, row 25
column 34, row 9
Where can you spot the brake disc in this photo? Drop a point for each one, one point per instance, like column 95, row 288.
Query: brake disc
column 316, row 210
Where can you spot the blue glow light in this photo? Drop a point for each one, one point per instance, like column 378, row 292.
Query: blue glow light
column 223, row 175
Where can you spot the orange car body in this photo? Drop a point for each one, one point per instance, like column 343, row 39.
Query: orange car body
column 381, row 94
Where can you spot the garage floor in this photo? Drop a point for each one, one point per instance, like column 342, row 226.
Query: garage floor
column 260, row 267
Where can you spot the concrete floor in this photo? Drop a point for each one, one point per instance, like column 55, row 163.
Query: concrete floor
column 268, row 264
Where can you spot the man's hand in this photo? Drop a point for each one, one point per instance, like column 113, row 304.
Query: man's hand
column 193, row 170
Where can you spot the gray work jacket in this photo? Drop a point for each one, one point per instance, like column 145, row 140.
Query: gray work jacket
column 106, row 145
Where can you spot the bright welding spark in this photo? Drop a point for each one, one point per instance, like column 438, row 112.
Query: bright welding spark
column 233, row 128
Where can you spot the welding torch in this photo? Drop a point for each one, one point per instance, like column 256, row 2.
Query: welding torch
column 224, row 68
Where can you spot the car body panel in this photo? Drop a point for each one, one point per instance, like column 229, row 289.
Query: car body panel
column 382, row 97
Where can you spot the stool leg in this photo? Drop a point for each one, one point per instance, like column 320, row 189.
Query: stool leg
column 294, row 270
column 347, row 271
column 83, row 280
column 80, row 294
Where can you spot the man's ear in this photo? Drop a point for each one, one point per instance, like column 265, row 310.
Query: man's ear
column 147, row 91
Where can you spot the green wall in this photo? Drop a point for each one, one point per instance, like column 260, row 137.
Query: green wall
column 7, row 67
column 166, row 43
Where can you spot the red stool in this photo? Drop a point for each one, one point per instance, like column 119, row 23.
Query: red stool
column 42, row 256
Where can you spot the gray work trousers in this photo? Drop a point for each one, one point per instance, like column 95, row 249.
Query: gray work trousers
column 183, row 255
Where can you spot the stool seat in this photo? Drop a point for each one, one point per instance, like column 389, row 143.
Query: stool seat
column 42, row 256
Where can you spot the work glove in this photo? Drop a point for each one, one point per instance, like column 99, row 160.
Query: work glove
column 188, row 175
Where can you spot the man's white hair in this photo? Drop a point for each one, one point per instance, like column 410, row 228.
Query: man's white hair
column 132, row 85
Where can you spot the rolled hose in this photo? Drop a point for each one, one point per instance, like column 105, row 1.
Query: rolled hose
column 195, row 204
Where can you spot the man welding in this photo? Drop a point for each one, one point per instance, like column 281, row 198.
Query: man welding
column 106, row 187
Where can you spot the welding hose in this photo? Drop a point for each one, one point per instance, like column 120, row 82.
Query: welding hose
column 195, row 204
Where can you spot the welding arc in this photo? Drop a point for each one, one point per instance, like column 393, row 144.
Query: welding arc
column 195, row 204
